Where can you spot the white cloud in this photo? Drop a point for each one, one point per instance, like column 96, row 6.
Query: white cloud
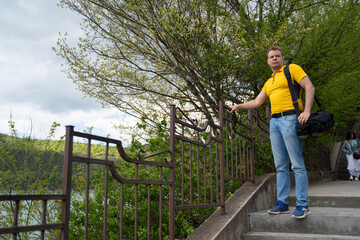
column 32, row 87
column 29, row 119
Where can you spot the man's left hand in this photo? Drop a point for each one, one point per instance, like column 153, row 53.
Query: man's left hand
column 303, row 117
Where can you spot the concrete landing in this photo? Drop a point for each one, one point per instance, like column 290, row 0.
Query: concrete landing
column 339, row 194
column 329, row 221
column 333, row 188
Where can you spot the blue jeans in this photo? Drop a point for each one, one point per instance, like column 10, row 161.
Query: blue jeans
column 285, row 143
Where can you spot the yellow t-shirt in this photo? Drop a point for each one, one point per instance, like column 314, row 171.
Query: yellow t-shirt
column 277, row 89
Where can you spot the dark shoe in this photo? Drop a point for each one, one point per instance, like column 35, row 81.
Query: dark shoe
column 301, row 212
column 279, row 208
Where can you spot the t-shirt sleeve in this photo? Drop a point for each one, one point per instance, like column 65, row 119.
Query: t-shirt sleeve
column 265, row 88
column 297, row 72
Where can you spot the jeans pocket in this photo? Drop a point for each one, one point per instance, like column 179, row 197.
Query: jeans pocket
column 291, row 118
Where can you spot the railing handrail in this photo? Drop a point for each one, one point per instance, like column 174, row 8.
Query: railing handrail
column 31, row 197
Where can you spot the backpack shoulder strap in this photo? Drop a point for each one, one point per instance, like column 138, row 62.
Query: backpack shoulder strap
column 292, row 90
column 295, row 90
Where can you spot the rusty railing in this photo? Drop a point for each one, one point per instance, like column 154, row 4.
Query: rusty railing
column 141, row 195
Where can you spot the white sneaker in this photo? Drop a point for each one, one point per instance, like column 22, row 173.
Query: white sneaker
column 351, row 178
column 356, row 179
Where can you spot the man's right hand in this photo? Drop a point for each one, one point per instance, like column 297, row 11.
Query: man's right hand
column 233, row 109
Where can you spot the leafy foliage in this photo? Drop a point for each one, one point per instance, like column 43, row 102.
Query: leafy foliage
column 140, row 56
column 29, row 166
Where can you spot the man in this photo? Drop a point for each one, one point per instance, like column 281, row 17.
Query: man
column 285, row 142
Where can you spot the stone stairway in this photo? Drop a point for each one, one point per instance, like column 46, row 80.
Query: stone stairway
column 335, row 214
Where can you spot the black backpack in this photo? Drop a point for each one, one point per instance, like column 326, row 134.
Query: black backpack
column 319, row 123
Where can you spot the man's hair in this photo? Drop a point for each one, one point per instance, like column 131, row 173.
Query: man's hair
column 274, row 48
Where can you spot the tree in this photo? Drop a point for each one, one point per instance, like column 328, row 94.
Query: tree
column 140, row 56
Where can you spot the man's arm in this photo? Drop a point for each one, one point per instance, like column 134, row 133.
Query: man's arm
column 306, row 84
column 257, row 102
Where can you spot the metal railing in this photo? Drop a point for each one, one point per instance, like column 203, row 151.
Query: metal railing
column 141, row 195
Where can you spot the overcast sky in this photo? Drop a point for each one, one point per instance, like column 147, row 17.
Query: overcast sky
column 32, row 87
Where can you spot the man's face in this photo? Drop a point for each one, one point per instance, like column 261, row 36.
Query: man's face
column 275, row 59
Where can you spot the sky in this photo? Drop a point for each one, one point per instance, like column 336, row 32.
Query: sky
column 33, row 89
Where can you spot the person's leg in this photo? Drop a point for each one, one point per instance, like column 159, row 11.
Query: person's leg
column 294, row 148
column 353, row 167
column 349, row 165
column 281, row 161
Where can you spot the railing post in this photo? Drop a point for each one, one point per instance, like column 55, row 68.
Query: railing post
column 268, row 114
column 66, row 186
column 172, row 174
column 252, row 152
column 222, row 162
column 16, row 217
column 268, row 117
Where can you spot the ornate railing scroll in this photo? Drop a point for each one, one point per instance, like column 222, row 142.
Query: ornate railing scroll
column 139, row 182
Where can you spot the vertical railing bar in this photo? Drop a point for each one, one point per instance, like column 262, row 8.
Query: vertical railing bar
column 136, row 202
column 255, row 127
column 252, row 160
column 66, row 187
column 87, row 190
column 43, row 218
column 160, row 204
column 253, row 139
column 121, row 210
column 232, row 154
column 198, row 171
column 106, row 190
column 217, row 171
column 268, row 116
column 222, row 177
column 246, row 157
column 236, row 156
column 205, row 175
column 191, row 200
column 182, row 166
column 227, row 146
column 247, row 160
column 172, row 174
column 148, row 212
column 240, row 155
column 16, row 217
column 211, row 171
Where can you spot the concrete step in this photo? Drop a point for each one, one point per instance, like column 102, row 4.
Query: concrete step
column 293, row 236
column 340, row 194
column 343, row 175
column 334, row 201
column 330, row 221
